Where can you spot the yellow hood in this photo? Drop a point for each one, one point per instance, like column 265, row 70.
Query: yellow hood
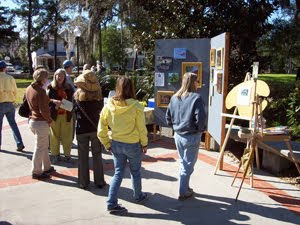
column 119, row 107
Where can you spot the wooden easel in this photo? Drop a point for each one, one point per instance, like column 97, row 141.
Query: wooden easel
column 233, row 117
column 252, row 143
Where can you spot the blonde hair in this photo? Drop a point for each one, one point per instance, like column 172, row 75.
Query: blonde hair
column 54, row 82
column 39, row 75
column 187, row 85
column 84, row 95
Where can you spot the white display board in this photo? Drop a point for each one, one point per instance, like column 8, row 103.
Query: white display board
column 219, row 59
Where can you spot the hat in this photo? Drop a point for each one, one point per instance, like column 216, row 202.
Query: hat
column 67, row 63
column 88, row 81
column 2, row 65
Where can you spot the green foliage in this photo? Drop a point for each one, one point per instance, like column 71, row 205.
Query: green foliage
column 144, row 85
column 293, row 111
column 7, row 33
column 113, row 46
column 283, row 108
column 281, row 44
column 246, row 21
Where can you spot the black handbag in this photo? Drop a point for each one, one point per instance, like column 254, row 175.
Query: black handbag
column 24, row 109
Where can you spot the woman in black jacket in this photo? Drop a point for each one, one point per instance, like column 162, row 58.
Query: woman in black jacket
column 87, row 105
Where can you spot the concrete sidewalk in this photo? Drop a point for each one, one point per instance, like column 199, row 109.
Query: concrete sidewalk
column 59, row 200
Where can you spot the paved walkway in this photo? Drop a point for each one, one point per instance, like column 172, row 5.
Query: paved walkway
column 59, row 200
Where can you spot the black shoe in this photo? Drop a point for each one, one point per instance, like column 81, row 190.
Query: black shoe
column 20, row 148
column 40, row 176
column 55, row 159
column 51, row 170
column 68, row 159
column 189, row 194
column 141, row 200
column 117, row 209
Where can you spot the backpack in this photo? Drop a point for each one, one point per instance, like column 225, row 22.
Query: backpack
column 24, row 109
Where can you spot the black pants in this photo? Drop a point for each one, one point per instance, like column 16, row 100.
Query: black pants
column 84, row 141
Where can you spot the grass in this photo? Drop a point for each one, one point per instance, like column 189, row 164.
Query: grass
column 278, row 78
column 22, row 84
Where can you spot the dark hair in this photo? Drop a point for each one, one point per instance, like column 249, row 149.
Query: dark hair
column 124, row 89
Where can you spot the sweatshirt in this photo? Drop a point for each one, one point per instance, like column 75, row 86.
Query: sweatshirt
column 126, row 119
column 186, row 115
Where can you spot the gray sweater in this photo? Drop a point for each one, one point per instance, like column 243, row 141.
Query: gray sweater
column 186, row 115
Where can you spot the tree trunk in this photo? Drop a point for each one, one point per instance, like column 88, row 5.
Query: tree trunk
column 29, row 36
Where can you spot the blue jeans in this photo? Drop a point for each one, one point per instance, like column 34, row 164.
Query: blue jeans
column 8, row 109
column 188, row 148
column 121, row 152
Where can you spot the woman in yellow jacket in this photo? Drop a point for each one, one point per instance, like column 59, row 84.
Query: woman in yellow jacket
column 125, row 117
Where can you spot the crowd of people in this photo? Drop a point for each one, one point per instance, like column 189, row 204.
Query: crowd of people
column 119, row 126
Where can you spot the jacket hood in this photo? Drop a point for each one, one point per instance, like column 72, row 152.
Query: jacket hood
column 119, row 107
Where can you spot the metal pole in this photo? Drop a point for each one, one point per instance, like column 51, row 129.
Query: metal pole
column 100, row 43
column 77, row 40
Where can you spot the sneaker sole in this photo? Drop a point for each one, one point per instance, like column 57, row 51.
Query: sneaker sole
column 117, row 211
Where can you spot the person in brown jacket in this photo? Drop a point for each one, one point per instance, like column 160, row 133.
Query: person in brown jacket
column 39, row 123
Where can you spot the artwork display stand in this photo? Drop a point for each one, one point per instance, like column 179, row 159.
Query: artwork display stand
column 251, row 142
column 254, row 137
column 221, row 156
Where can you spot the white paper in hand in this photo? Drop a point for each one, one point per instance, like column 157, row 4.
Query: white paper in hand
column 66, row 105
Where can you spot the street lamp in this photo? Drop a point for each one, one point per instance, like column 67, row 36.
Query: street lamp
column 77, row 33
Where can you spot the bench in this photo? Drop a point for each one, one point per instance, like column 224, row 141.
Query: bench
column 276, row 155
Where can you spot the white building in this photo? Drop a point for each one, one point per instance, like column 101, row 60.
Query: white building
column 45, row 55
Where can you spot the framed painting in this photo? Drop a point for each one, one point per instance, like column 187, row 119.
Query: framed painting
column 164, row 98
column 193, row 67
column 219, row 58
column 219, row 83
column 212, row 57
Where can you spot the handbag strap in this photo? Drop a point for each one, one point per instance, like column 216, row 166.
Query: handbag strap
column 86, row 115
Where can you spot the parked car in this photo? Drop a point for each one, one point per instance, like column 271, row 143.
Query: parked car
column 18, row 67
column 10, row 68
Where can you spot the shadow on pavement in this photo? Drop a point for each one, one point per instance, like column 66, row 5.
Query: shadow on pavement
column 26, row 154
column 206, row 209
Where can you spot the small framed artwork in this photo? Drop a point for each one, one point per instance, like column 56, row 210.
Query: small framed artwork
column 173, row 78
column 193, row 67
column 219, row 83
column 219, row 58
column 164, row 98
column 212, row 75
column 243, row 96
column 212, row 57
column 179, row 53
column 164, row 63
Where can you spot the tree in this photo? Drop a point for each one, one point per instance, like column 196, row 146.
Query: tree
column 281, row 45
column 246, row 21
column 27, row 10
column 113, row 52
column 7, row 33
column 50, row 19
